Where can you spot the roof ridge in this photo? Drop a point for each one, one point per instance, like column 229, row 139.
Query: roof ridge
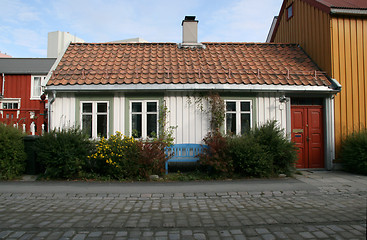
column 172, row 43
column 123, row 43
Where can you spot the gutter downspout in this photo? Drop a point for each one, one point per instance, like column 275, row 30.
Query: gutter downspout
column 3, row 87
column 50, row 109
column 330, row 129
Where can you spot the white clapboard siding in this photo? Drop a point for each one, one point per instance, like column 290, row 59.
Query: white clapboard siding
column 268, row 107
column 192, row 124
column 119, row 113
column 63, row 111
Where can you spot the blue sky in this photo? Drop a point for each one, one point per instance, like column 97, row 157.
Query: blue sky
column 24, row 24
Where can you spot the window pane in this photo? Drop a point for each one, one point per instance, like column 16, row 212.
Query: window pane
column 231, row 123
column 15, row 105
column 102, row 125
column 87, row 107
column 245, row 106
column 152, row 125
column 101, row 107
column 245, row 122
column 37, row 86
column 290, row 11
column 231, row 106
column 5, row 106
column 87, row 125
column 136, row 125
column 136, row 106
column 151, row 107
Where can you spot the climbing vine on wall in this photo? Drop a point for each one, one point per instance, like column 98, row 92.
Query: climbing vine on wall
column 215, row 109
column 165, row 133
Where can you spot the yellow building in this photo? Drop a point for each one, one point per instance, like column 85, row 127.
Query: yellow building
column 334, row 34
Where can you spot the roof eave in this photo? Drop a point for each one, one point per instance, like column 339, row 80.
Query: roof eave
column 192, row 87
column 25, row 72
column 349, row 11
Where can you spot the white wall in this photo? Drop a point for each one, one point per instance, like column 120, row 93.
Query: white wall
column 62, row 111
column 192, row 124
column 268, row 107
column 119, row 113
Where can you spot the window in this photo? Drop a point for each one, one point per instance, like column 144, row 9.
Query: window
column 144, row 118
column 290, row 11
column 10, row 105
column 238, row 116
column 37, row 86
column 95, row 118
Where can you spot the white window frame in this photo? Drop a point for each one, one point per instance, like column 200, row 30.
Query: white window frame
column 238, row 113
column 12, row 101
column 35, row 96
column 94, row 115
column 144, row 113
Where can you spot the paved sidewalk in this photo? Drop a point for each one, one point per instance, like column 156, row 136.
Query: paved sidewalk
column 314, row 205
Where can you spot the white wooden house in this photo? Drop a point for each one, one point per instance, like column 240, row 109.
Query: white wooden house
column 109, row 87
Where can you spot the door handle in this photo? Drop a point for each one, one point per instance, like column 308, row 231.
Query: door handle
column 307, row 139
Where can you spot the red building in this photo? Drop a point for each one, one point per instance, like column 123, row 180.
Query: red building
column 21, row 87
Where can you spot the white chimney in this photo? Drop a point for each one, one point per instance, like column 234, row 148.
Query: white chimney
column 190, row 32
column 58, row 41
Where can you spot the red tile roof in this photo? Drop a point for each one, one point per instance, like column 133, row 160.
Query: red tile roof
column 146, row 63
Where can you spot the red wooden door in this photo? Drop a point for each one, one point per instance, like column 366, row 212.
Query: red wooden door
column 307, row 133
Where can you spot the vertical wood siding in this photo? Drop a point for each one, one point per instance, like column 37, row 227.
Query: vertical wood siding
column 310, row 28
column 63, row 111
column 338, row 44
column 192, row 124
column 19, row 87
column 119, row 113
column 269, row 108
column 349, row 67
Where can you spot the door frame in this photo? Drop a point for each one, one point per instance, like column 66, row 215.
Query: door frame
column 329, row 127
column 306, row 130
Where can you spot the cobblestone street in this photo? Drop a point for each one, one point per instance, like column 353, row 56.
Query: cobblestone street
column 328, row 206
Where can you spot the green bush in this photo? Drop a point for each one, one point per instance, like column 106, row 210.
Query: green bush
column 63, row 154
column 261, row 152
column 353, row 153
column 12, row 155
column 283, row 151
column 250, row 158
